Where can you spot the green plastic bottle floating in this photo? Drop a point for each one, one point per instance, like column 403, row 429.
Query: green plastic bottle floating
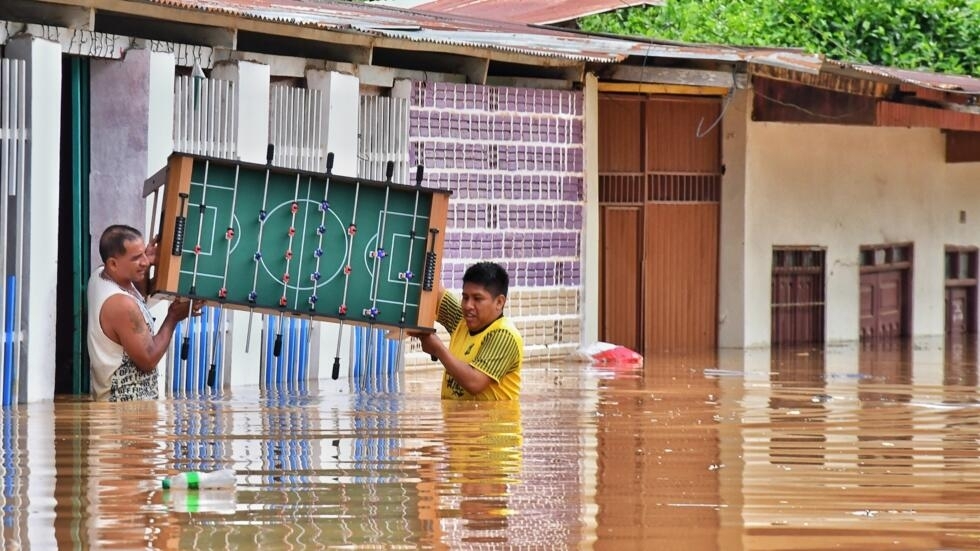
column 198, row 480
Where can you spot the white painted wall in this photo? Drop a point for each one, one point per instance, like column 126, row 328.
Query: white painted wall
column 40, row 309
column 841, row 187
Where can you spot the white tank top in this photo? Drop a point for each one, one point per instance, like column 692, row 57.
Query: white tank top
column 105, row 356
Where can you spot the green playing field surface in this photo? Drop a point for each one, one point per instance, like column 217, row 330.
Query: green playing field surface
column 333, row 247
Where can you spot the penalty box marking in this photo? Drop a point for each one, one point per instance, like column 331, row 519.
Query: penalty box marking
column 372, row 245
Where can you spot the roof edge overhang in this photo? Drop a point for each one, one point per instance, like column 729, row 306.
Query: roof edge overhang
column 218, row 21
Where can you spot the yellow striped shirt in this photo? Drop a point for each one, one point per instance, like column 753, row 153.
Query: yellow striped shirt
column 497, row 351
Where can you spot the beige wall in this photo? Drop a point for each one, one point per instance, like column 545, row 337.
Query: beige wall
column 838, row 187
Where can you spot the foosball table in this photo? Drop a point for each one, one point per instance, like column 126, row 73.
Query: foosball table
column 296, row 243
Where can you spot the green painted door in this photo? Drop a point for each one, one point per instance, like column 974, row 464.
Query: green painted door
column 72, row 374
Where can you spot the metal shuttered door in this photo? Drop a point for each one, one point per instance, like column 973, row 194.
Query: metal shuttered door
column 659, row 189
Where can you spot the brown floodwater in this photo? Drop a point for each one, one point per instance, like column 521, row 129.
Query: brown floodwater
column 849, row 448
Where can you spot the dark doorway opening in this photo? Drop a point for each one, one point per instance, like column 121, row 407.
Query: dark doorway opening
column 71, row 356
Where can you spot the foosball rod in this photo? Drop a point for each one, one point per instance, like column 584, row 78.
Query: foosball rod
column 379, row 370
column 223, row 292
column 185, row 346
column 324, row 207
column 253, row 295
column 342, row 311
column 277, row 346
column 407, row 276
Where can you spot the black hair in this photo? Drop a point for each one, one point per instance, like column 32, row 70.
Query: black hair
column 114, row 239
column 492, row 276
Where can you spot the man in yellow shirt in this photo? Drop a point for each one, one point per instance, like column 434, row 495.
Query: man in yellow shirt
column 483, row 361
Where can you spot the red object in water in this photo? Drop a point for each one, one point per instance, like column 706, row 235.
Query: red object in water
column 618, row 355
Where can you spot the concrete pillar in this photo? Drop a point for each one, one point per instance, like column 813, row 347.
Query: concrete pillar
column 590, row 237
column 132, row 136
column 40, row 226
column 734, row 202
column 342, row 104
column 252, row 89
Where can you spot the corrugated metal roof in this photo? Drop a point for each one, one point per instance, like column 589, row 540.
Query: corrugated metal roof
column 418, row 27
column 462, row 31
column 537, row 12
column 455, row 30
column 925, row 79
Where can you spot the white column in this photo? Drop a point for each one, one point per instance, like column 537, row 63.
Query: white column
column 590, row 236
column 40, row 226
column 731, row 247
column 341, row 95
column 341, row 102
column 252, row 87
column 160, row 111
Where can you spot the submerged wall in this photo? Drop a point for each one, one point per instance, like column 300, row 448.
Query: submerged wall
column 514, row 159
column 839, row 187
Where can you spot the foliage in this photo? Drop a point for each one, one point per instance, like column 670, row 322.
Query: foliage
column 938, row 35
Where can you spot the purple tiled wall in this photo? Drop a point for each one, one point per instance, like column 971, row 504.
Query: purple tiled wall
column 514, row 159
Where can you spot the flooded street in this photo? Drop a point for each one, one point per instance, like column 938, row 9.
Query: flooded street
column 873, row 448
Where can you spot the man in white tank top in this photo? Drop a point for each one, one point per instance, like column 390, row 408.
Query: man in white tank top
column 123, row 351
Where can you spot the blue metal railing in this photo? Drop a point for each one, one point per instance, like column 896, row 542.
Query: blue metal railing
column 9, row 335
column 376, row 361
column 290, row 369
column 202, row 371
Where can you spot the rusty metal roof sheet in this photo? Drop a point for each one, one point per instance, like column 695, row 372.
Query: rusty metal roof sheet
column 538, row 12
column 924, row 79
column 418, row 27
column 544, row 42
column 455, row 30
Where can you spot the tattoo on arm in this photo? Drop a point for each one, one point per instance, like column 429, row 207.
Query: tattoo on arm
column 136, row 319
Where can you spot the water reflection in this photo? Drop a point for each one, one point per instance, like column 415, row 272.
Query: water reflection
column 473, row 468
column 658, row 456
column 865, row 446
column 797, row 412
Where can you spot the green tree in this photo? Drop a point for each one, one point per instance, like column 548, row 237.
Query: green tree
column 937, row 35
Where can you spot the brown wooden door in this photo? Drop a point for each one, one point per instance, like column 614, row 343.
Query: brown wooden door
column 797, row 313
column 798, row 296
column 660, row 167
column 883, row 304
column 619, row 317
column 680, row 276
